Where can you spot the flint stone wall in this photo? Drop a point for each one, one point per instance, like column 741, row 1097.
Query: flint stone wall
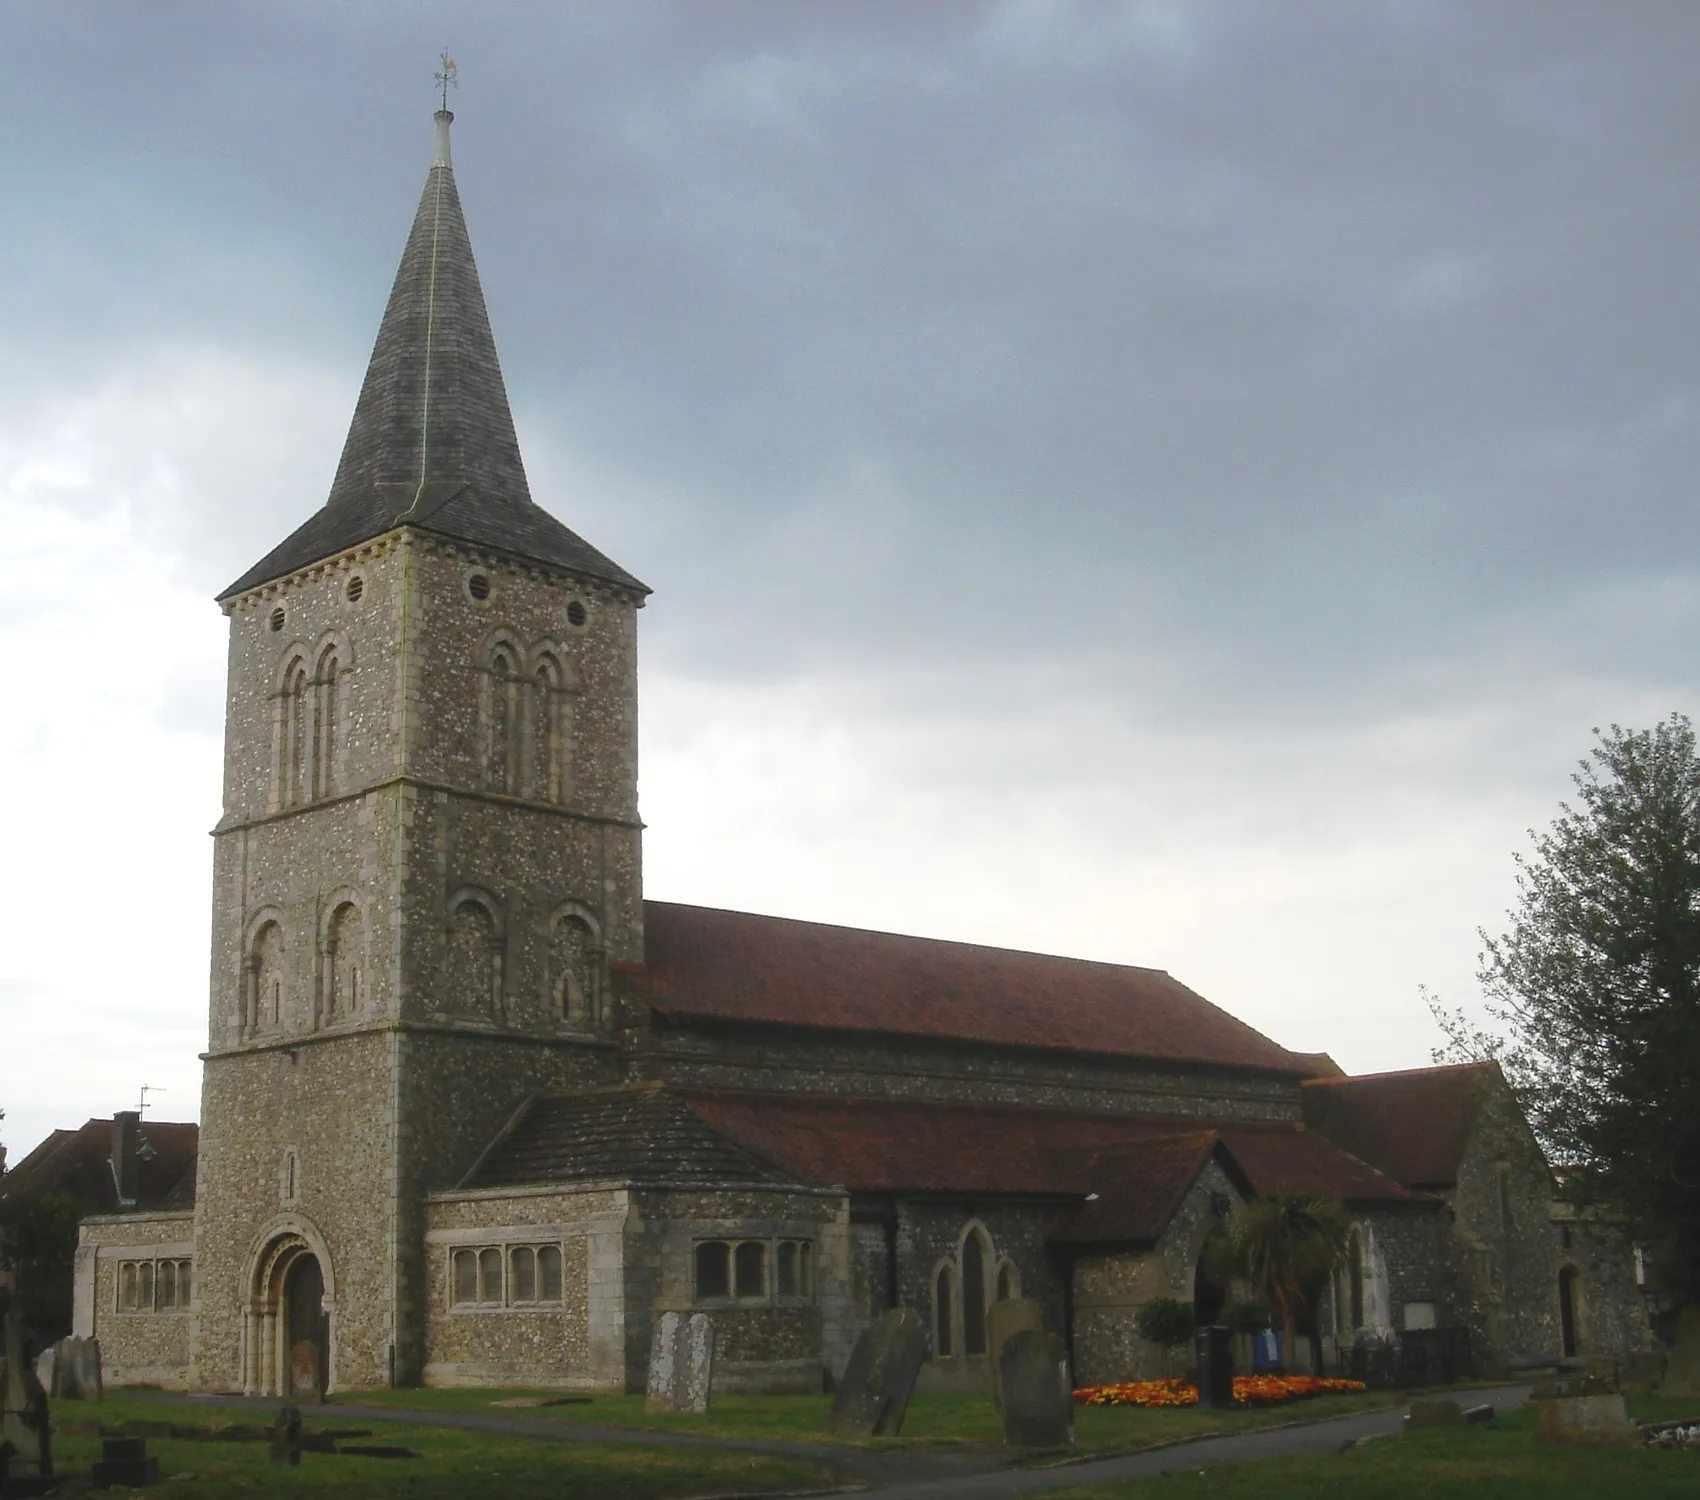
column 1111, row 1286
column 773, row 1060
column 137, row 1348
column 775, row 1344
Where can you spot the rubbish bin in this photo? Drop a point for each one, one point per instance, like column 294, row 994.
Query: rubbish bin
column 1216, row 1368
column 1266, row 1353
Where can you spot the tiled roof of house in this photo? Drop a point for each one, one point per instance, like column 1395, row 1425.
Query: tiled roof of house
column 79, row 1163
column 432, row 441
column 735, row 966
column 1412, row 1125
column 640, row 1135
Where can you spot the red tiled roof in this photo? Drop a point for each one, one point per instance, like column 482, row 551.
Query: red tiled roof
column 733, row 966
column 79, row 1163
column 1301, row 1161
column 894, row 1145
column 1413, row 1125
column 1138, row 1188
column 888, row 1145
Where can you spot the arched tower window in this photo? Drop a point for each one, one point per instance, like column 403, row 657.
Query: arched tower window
column 295, row 736
column 326, row 689
column 345, row 949
column 502, row 723
column 547, row 712
column 573, row 967
column 473, row 975
column 267, row 997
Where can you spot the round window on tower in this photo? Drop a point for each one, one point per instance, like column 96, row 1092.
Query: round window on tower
column 577, row 615
column 277, row 619
column 356, row 587
column 478, row 585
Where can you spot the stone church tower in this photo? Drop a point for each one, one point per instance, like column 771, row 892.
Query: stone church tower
column 429, row 856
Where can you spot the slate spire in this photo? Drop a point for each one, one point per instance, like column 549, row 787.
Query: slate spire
column 432, row 441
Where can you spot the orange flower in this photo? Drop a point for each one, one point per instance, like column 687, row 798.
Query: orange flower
column 1249, row 1390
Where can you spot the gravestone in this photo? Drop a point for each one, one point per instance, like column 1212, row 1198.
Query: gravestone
column 70, row 1370
column 285, row 1437
column 1434, row 1414
column 681, row 1364
column 125, row 1461
column 1011, row 1316
column 1682, row 1368
column 1601, row 1420
column 1038, row 1399
column 25, row 1435
column 873, row 1396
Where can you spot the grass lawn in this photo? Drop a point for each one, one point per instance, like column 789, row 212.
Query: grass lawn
column 452, row 1464
column 1499, row 1459
column 934, row 1417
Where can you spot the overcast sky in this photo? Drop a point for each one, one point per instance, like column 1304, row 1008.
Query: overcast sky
column 1174, row 483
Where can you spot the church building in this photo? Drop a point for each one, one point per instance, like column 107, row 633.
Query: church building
column 475, row 1112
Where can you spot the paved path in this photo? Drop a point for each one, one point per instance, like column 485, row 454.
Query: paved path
column 1328, row 1436
column 909, row 1474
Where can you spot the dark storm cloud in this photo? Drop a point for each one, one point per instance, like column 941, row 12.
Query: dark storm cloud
column 1260, row 361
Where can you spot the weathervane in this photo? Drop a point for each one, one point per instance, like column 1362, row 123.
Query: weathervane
column 446, row 80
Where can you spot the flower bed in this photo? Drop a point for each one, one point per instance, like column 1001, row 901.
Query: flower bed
column 1249, row 1390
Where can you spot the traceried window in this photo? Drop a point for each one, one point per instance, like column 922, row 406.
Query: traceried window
column 152, row 1286
column 963, row 1286
column 492, row 1276
column 753, row 1270
column 794, row 1269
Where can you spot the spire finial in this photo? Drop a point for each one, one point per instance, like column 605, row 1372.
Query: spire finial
column 446, row 80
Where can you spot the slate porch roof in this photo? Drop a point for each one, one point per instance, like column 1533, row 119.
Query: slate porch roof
column 708, row 964
column 79, row 1164
column 432, row 441
column 1414, row 1125
column 639, row 1134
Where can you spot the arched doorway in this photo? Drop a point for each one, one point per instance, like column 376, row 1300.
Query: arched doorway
column 307, row 1368
column 1209, row 1281
column 287, row 1334
column 1569, row 1310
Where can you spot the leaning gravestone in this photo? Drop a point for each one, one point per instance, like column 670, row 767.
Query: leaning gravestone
column 285, row 1437
column 1682, row 1369
column 1038, row 1400
column 1587, row 1419
column 681, row 1364
column 70, row 1370
column 1011, row 1316
column 873, row 1395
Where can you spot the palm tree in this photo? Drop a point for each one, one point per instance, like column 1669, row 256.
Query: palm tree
column 1284, row 1243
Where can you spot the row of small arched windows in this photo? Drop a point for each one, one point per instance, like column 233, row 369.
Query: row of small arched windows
column 525, row 721
column 524, row 716
column 471, row 983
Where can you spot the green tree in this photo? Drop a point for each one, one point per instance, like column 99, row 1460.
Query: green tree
column 1283, row 1245
column 39, row 1232
column 1593, row 991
